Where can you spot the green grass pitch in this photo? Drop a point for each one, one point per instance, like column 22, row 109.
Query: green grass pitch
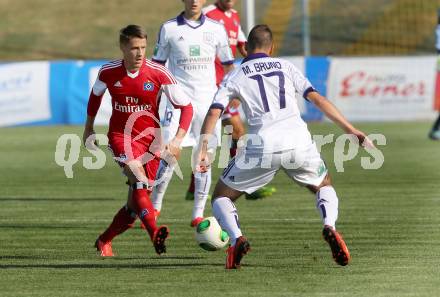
column 390, row 219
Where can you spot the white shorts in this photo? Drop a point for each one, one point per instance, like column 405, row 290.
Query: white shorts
column 249, row 171
column 170, row 124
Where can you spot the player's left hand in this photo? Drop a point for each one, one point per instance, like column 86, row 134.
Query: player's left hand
column 364, row 141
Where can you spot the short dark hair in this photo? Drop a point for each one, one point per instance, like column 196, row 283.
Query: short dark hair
column 131, row 31
column 260, row 37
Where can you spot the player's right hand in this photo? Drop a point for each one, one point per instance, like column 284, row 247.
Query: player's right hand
column 203, row 160
column 202, row 165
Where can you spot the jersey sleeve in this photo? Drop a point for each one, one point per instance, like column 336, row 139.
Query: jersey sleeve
column 162, row 49
column 165, row 77
column 176, row 95
column 225, row 93
column 224, row 51
column 95, row 98
column 300, row 82
column 241, row 39
column 179, row 100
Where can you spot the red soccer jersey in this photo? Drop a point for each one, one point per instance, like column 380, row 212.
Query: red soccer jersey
column 130, row 93
column 231, row 20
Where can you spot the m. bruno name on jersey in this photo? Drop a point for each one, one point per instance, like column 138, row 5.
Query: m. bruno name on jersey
column 264, row 66
column 261, row 66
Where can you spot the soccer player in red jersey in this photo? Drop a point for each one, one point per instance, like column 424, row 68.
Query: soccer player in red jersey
column 189, row 44
column 135, row 85
column 223, row 11
column 434, row 134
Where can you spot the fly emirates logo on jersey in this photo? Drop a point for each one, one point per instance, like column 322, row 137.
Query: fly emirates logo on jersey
column 131, row 106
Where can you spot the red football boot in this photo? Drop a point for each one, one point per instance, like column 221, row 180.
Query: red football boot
column 159, row 237
column 104, row 248
column 196, row 221
column 235, row 253
column 340, row 252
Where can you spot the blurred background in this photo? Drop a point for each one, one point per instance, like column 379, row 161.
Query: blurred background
column 87, row 29
column 71, row 39
column 374, row 59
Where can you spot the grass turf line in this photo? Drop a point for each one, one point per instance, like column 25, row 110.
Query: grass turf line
column 389, row 218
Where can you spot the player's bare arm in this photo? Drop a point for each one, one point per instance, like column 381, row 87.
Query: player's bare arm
column 180, row 101
column 228, row 68
column 171, row 152
column 174, row 147
column 88, row 128
column 336, row 116
column 207, row 130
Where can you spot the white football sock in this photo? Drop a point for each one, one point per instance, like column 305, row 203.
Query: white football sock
column 226, row 214
column 327, row 205
column 202, row 183
column 163, row 175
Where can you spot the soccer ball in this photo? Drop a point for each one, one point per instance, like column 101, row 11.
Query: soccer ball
column 210, row 236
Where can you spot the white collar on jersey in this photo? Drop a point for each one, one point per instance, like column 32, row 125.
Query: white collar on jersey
column 133, row 74
column 182, row 21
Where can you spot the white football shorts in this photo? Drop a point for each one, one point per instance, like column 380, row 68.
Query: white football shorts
column 170, row 124
column 249, row 171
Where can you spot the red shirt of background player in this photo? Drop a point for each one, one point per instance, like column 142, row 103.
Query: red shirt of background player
column 231, row 20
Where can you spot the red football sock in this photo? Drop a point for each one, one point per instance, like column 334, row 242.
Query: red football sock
column 191, row 185
column 233, row 149
column 232, row 152
column 144, row 209
column 122, row 221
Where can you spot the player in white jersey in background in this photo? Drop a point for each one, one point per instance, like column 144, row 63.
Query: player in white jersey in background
column 190, row 43
column 266, row 87
column 223, row 11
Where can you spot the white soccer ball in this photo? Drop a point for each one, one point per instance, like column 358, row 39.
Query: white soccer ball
column 210, row 236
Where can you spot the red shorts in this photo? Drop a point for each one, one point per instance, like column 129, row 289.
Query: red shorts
column 135, row 150
column 437, row 91
column 231, row 110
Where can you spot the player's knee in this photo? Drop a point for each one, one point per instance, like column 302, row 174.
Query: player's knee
column 226, row 122
column 222, row 190
column 238, row 128
column 238, row 131
column 326, row 182
column 132, row 214
column 135, row 172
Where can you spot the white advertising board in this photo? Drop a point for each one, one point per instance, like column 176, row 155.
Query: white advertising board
column 383, row 88
column 24, row 93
